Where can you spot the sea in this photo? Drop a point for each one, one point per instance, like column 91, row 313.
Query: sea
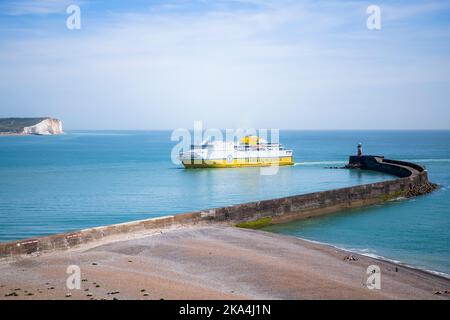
column 53, row 184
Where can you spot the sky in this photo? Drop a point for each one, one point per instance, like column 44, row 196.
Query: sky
column 282, row 64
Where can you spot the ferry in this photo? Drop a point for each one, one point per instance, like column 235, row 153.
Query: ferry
column 251, row 151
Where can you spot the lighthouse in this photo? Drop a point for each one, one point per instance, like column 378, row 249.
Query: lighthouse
column 359, row 150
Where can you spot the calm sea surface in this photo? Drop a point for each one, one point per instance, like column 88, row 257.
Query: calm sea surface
column 83, row 179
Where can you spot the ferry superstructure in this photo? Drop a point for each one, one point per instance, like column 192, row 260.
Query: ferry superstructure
column 251, row 151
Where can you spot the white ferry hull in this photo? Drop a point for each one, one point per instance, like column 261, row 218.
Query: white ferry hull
column 229, row 155
column 238, row 159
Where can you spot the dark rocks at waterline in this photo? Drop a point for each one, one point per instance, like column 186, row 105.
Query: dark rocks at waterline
column 352, row 166
column 422, row 189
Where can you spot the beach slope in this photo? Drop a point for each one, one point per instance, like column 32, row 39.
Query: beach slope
column 216, row 262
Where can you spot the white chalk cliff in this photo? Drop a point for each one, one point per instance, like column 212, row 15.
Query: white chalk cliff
column 45, row 127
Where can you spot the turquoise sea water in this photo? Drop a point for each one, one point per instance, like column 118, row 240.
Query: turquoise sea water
column 416, row 231
column 81, row 179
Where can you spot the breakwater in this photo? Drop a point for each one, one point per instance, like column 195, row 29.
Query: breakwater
column 412, row 180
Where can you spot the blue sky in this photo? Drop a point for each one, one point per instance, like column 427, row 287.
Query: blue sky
column 240, row 63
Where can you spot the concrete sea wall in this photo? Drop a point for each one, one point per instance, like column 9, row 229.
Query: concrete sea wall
column 412, row 180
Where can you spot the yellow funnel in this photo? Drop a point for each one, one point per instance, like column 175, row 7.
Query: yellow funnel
column 250, row 140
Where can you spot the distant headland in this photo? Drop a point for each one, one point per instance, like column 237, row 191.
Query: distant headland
column 28, row 126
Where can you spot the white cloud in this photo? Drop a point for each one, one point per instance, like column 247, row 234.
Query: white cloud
column 35, row 7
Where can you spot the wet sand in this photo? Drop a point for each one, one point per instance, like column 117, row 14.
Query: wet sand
column 212, row 263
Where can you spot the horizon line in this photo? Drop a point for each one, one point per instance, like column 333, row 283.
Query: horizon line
column 283, row 129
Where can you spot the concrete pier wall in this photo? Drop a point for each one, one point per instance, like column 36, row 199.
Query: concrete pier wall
column 412, row 181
